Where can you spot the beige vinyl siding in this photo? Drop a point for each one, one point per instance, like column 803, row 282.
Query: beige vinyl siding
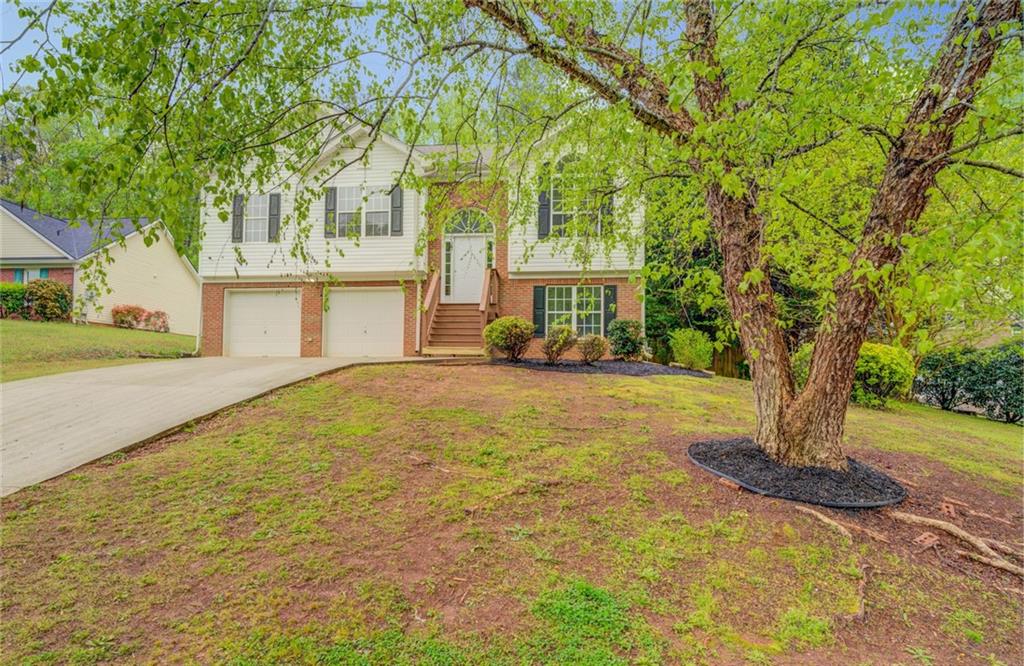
column 154, row 277
column 529, row 255
column 382, row 257
column 18, row 241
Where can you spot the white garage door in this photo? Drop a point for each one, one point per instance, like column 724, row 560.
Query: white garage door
column 364, row 322
column 262, row 323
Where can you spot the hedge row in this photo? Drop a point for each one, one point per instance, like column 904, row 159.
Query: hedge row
column 990, row 379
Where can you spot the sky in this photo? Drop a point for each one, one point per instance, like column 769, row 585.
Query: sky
column 11, row 26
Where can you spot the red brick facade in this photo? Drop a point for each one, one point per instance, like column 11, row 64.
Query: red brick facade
column 65, row 274
column 311, row 313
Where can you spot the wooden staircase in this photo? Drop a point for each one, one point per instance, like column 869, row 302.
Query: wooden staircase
column 456, row 331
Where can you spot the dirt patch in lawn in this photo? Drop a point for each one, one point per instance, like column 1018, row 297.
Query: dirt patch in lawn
column 480, row 514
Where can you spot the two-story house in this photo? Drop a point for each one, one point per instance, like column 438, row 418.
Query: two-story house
column 382, row 277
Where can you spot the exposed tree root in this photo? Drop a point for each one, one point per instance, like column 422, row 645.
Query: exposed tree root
column 989, row 556
column 825, row 519
column 1003, row 548
column 843, row 528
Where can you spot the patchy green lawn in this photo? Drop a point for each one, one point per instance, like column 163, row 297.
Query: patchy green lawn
column 34, row 348
column 482, row 514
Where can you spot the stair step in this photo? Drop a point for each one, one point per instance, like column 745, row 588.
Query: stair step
column 457, row 328
column 455, row 337
column 475, row 319
column 432, row 350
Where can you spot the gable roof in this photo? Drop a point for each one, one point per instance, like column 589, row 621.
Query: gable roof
column 74, row 240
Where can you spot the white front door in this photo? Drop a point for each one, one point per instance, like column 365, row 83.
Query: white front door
column 467, row 263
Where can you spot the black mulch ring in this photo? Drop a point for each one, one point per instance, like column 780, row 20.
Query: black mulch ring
column 741, row 461
column 628, row 368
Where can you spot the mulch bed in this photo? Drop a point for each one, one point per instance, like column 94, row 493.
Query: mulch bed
column 743, row 462
column 627, row 368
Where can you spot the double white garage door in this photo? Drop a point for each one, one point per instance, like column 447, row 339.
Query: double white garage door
column 365, row 321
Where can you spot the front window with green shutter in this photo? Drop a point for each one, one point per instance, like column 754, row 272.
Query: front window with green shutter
column 378, row 213
column 579, row 307
column 257, row 217
column 349, row 200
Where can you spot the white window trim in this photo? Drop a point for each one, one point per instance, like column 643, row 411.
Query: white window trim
column 363, row 207
column 556, row 178
column 248, row 219
column 575, row 312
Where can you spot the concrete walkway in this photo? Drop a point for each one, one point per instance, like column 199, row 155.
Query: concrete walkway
column 54, row 424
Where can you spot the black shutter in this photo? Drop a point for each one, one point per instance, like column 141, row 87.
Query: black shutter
column 539, row 310
column 396, row 211
column 543, row 205
column 274, row 218
column 237, row 211
column 606, row 213
column 330, row 212
column 611, row 295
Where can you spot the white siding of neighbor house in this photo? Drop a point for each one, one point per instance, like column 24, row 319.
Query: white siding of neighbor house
column 378, row 257
column 18, row 241
column 154, row 277
column 527, row 255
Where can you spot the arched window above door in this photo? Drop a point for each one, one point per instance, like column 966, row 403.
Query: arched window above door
column 469, row 221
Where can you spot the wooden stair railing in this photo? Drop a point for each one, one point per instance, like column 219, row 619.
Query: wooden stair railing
column 430, row 302
column 489, row 297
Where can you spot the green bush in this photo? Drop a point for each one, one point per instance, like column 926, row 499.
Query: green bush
column 882, row 372
column 997, row 383
column 626, row 338
column 12, row 300
column 945, row 377
column 592, row 348
column 691, row 348
column 48, row 300
column 509, row 335
column 559, row 340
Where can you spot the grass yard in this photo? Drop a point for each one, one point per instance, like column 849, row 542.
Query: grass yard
column 482, row 514
column 33, row 348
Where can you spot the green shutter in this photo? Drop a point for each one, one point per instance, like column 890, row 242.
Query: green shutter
column 611, row 295
column 396, row 211
column 539, row 310
column 274, row 218
column 607, row 204
column 330, row 212
column 543, row 205
column 237, row 211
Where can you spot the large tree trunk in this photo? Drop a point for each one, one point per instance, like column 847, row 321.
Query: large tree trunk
column 807, row 429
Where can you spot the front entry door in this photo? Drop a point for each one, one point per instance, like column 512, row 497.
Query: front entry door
column 468, row 261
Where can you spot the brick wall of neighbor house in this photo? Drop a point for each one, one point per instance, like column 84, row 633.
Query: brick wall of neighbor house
column 65, row 274
column 311, row 313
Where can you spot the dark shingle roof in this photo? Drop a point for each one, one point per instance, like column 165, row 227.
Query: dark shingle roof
column 75, row 239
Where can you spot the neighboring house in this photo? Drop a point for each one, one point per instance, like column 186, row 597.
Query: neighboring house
column 382, row 297
column 37, row 246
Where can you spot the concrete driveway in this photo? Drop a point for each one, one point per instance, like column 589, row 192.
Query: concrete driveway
column 56, row 423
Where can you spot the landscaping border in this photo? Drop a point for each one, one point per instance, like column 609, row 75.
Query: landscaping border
column 893, row 493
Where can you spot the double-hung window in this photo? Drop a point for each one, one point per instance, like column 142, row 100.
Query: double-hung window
column 349, row 203
column 26, row 275
column 257, row 218
column 378, row 213
column 579, row 307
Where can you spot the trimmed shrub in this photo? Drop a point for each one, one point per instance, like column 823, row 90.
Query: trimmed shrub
column 48, row 300
column 882, row 372
column 127, row 316
column 559, row 340
column 945, row 377
column 691, row 348
column 592, row 348
column 626, row 338
column 156, row 321
column 997, row 383
column 12, row 300
column 509, row 335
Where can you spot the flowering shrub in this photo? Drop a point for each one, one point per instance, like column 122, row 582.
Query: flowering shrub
column 127, row 316
column 48, row 300
column 156, row 321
